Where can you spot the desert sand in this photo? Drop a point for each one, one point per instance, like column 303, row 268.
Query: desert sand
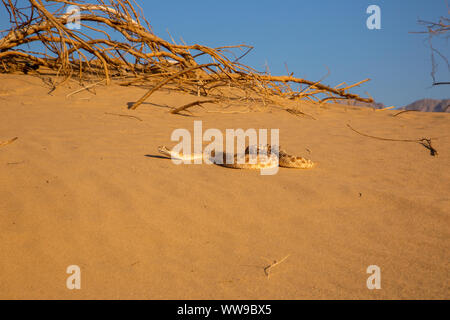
column 81, row 186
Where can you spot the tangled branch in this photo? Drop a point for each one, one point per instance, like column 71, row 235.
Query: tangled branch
column 116, row 42
column 436, row 29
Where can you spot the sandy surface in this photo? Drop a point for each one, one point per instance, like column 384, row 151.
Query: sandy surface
column 83, row 187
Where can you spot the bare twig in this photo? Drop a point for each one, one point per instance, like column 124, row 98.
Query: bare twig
column 85, row 88
column 384, row 109
column 124, row 115
column 404, row 111
column 424, row 141
column 298, row 113
column 40, row 37
column 436, row 29
column 4, row 143
column 273, row 264
column 161, row 84
column 192, row 104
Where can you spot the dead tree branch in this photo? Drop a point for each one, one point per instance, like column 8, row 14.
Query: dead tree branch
column 40, row 37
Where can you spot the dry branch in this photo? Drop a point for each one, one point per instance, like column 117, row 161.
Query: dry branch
column 404, row 111
column 192, row 104
column 138, row 55
column 299, row 113
column 272, row 265
column 437, row 29
column 123, row 115
column 4, row 143
column 84, row 88
column 162, row 83
column 423, row 141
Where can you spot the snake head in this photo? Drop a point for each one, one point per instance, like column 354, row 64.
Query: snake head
column 262, row 149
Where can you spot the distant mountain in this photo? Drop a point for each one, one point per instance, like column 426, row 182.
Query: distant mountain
column 351, row 102
column 424, row 105
column 429, row 105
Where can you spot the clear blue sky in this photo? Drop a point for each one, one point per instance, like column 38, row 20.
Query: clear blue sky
column 312, row 35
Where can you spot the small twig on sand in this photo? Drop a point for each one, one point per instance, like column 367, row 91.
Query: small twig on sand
column 4, row 143
column 404, row 111
column 275, row 263
column 119, row 44
column 84, row 88
column 384, row 109
column 13, row 163
column 192, row 104
column 427, row 144
column 124, row 115
column 228, row 112
column 298, row 113
column 424, row 141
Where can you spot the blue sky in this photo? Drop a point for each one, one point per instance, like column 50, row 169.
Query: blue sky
column 311, row 36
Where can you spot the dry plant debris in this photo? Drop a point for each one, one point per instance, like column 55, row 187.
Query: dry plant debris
column 115, row 42
column 123, row 115
column 426, row 142
column 272, row 265
column 4, row 143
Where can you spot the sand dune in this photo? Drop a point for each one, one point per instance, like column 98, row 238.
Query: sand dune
column 84, row 187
